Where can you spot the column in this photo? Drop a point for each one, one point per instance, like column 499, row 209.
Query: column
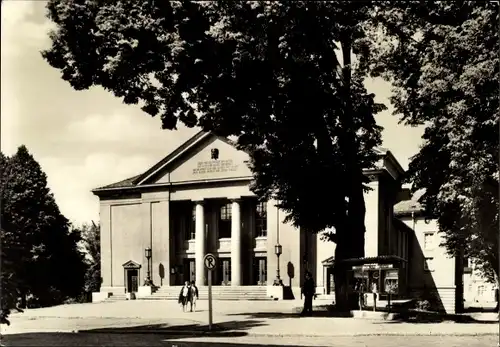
column 236, row 243
column 200, row 243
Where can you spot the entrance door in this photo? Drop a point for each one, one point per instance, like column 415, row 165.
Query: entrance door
column 189, row 270
column 225, row 272
column 132, row 281
column 331, row 281
column 260, row 271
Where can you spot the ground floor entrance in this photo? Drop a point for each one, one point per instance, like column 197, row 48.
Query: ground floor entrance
column 253, row 274
column 223, row 276
column 260, row 271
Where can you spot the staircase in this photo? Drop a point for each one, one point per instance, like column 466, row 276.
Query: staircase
column 117, row 297
column 218, row 293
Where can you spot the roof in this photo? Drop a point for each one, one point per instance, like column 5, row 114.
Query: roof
column 410, row 206
column 382, row 259
column 138, row 179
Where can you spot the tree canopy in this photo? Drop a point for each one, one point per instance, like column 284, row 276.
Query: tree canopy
column 92, row 246
column 264, row 72
column 40, row 255
column 445, row 76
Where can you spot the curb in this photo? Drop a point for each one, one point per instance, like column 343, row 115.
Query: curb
column 253, row 334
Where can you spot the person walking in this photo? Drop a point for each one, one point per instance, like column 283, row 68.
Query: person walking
column 308, row 291
column 184, row 295
column 194, row 295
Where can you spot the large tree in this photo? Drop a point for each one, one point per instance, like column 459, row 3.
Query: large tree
column 92, row 248
column 264, row 72
column 43, row 252
column 445, row 73
column 8, row 252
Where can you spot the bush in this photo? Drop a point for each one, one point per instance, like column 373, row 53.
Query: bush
column 423, row 305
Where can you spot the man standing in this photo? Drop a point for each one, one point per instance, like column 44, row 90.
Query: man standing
column 308, row 291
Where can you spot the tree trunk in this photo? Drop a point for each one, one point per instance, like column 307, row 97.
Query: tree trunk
column 350, row 244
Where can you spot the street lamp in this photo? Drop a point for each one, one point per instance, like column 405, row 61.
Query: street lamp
column 278, row 250
column 147, row 253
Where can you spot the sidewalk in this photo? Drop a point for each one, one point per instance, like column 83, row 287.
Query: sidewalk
column 237, row 318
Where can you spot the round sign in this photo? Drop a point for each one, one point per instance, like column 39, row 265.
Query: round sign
column 210, row 261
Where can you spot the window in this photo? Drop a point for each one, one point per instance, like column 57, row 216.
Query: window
column 429, row 264
column 261, row 219
column 190, row 224
column 225, row 221
column 429, row 241
column 480, row 290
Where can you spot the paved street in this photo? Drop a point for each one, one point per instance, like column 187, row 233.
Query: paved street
column 111, row 340
column 247, row 323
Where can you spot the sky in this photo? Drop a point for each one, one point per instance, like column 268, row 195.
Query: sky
column 87, row 139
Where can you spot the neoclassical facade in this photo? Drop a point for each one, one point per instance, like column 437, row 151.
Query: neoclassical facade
column 197, row 201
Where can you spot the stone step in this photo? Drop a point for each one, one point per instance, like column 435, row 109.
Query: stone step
column 219, row 298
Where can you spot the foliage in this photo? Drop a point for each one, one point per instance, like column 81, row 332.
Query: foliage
column 445, row 75
column 9, row 283
column 423, row 305
column 40, row 256
column 92, row 245
column 262, row 72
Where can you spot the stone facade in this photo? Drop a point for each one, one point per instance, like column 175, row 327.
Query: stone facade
column 197, row 200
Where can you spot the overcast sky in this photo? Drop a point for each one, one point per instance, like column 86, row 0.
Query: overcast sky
column 85, row 139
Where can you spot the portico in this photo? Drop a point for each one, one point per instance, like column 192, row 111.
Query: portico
column 216, row 226
column 195, row 201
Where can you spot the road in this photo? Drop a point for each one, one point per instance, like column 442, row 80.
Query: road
column 122, row 340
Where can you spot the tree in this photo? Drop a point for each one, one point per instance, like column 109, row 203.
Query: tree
column 92, row 245
column 9, row 282
column 48, row 265
column 445, row 73
column 263, row 72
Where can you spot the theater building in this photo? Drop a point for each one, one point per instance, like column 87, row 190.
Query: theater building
column 197, row 200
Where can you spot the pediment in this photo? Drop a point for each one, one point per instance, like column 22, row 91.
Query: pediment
column 198, row 163
column 131, row 265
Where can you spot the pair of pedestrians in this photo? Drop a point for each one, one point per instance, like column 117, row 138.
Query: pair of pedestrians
column 189, row 294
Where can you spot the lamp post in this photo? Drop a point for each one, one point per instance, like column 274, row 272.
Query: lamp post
column 147, row 253
column 278, row 250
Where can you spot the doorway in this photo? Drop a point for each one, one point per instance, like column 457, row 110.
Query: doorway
column 330, row 281
column 189, row 270
column 132, row 276
column 224, row 272
column 260, row 271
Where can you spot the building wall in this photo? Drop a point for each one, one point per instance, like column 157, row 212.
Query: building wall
column 291, row 267
column 477, row 291
column 378, row 226
column 439, row 280
column 198, row 164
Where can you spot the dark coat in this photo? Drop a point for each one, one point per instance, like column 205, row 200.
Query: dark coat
column 181, row 298
column 309, row 288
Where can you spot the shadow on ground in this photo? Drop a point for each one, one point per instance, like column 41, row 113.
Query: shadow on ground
column 480, row 309
column 223, row 329
column 78, row 339
column 281, row 315
column 432, row 317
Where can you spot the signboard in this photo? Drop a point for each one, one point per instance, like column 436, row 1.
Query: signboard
column 214, row 166
column 366, row 267
column 210, row 262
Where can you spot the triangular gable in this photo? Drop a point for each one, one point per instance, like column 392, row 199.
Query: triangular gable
column 195, row 162
column 131, row 265
column 328, row 260
column 234, row 167
column 179, row 151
